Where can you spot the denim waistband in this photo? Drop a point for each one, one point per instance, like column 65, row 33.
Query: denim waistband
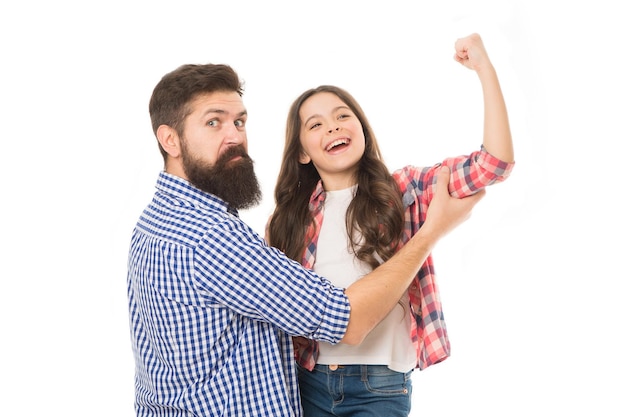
column 354, row 369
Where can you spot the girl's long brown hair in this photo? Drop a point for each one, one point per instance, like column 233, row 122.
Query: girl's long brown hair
column 376, row 210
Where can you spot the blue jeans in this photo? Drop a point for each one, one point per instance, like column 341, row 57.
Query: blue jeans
column 355, row 390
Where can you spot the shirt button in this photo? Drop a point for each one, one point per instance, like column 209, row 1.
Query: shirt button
column 333, row 367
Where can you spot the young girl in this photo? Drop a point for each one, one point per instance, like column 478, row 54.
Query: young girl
column 340, row 212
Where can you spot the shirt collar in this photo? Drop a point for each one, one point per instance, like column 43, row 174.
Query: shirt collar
column 318, row 195
column 180, row 188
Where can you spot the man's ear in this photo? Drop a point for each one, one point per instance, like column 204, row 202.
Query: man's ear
column 169, row 140
column 304, row 158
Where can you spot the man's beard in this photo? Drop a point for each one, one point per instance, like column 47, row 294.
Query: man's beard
column 233, row 181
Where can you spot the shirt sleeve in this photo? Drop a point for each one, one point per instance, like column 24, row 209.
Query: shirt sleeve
column 235, row 268
column 468, row 175
column 480, row 169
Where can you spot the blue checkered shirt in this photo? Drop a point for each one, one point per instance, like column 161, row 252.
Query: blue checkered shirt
column 212, row 308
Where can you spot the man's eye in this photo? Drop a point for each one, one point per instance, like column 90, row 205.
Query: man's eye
column 240, row 123
column 212, row 123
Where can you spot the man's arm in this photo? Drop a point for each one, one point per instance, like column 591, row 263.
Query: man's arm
column 373, row 296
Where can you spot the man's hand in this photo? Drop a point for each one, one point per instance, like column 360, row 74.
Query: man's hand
column 445, row 212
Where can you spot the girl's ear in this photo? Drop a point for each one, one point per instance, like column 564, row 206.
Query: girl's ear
column 304, row 158
column 169, row 140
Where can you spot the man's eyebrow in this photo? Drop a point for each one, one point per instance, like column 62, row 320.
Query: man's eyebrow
column 222, row 111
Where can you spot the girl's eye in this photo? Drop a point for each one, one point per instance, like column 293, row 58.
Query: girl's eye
column 314, row 125
column 343, row 116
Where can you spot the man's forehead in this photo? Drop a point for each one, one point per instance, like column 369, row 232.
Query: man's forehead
column 218, row 102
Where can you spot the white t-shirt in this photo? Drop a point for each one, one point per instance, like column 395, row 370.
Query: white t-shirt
column 389, row 343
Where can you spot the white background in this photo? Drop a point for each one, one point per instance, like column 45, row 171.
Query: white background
column 532, row 285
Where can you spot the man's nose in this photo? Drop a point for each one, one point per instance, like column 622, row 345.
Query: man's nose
column 234, row 135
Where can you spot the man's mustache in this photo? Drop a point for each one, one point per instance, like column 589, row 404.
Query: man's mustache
column 232, row 152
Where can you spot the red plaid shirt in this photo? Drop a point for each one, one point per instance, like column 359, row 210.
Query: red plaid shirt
column 469, row 174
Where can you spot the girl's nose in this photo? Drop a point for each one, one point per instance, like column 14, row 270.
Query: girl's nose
column 331, row 129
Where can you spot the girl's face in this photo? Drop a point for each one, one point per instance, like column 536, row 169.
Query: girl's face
column 332, row 138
